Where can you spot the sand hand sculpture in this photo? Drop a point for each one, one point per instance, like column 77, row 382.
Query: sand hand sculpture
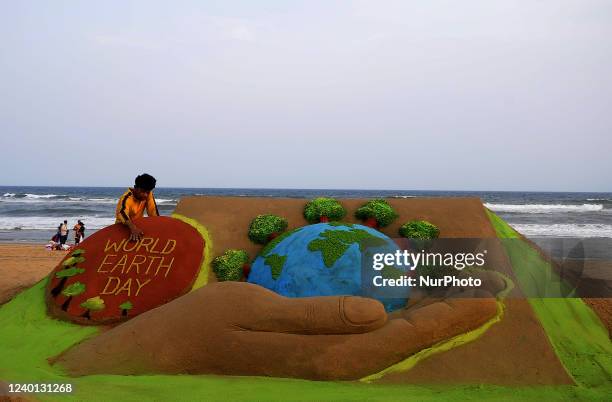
column 237, row 328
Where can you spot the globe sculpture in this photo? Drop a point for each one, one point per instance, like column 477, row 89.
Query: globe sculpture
column 325, row 259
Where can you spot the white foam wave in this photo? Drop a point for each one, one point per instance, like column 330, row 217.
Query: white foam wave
column 165, row 201
column 51, row 223
column 48, row 201
column 25, row 200
column 565, row 230
column 36, row 196
column 103, row 200
column 9, row 195
column 544, row 208
column 599, row 199
column 404, row 196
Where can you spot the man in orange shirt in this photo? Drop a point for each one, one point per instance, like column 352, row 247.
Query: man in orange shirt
column 133, row 202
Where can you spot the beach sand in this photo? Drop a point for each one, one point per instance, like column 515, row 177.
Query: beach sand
column 22, row 265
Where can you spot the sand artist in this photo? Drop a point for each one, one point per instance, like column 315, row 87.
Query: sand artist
column 133, row 203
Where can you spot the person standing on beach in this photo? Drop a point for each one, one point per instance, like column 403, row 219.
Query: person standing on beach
column 63, row 232
column 133, row 203
column 81, row 231
column 77, row 232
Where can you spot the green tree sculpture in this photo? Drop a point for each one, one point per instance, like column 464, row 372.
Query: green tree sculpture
column 78, row 252
column 266, row 227
column 231, row 265
column 64, row 274
column 376, row 213
column 419, row 230
column 68, row 271
column 420, row 233
column 72, row 290
column 125, row 307
column 92, row 304
column 323, row 210
column 72, row 261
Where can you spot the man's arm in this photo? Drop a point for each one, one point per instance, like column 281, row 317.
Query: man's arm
column 152, row 206
column 122, row 216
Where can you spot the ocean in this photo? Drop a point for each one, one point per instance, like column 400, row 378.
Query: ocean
column 32, row 214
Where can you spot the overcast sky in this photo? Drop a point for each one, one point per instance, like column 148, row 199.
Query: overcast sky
column 450, row 95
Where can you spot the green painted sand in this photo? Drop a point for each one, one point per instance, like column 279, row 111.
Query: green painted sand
column 334, row 243
column 271, row 244
column 276, row 263
column 576, row 333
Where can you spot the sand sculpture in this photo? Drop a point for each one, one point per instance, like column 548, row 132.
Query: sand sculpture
column 108, row 278
column 321, row 259
column 224, row 325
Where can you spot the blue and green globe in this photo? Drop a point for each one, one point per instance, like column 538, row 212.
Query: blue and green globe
column 324, row 259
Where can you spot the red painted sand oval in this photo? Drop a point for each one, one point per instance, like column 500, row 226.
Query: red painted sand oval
column 130, row 277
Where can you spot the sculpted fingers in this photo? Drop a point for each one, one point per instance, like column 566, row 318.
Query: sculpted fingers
column 250, row 307
column 318, row 315
column 324, row 357
column 244, row 329
column 444, row 319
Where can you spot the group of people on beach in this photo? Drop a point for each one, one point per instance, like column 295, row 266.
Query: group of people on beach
column 58, row 241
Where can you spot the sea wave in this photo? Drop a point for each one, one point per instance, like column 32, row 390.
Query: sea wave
column 564, row 230
column 73, row 200
column 51, row 223
column 53, row 201
column 102, row 200
column 36, row 196
column 544, row 208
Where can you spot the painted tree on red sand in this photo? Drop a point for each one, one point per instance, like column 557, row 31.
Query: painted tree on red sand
column 70, row 270
column 73, row 290
column 125, row 307
column 92, row 304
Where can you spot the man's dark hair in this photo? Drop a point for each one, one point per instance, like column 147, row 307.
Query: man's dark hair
column 145, row 182
column 65, row 221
